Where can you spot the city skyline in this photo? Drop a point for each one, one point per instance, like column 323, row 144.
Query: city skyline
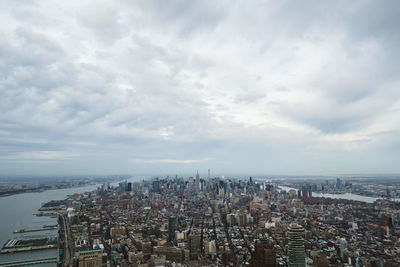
column 154, row 87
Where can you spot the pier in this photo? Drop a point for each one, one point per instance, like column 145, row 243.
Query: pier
column 25, row 249
column 29, row 262
column 23, row 244
column 50, row 214
column 34, row 230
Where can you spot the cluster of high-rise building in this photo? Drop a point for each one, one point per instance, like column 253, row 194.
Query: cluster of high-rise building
column 227, row 222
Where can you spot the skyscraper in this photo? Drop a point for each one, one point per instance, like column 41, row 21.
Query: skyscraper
column 171, row 229
column 343, row 245
column 338, row 184
column 242, row 219
column 296, row 246
column 197, row 180
column 194, row 247
column 156, row 186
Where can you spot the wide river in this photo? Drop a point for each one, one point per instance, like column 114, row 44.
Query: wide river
column 18, row 212
column 337, row 196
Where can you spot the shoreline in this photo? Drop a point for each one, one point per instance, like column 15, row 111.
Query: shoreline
column 7, row 194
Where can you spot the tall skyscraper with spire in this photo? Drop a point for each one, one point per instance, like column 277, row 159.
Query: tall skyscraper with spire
column 197, row 181
column 296, row 246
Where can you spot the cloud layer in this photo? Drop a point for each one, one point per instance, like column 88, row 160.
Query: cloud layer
column 169, row 87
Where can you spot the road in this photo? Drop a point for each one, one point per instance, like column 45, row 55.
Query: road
column 65, row 242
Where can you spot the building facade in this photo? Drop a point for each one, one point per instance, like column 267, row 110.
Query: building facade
column 296, row 246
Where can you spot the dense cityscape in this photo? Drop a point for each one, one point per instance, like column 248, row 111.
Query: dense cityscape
column 208, row 221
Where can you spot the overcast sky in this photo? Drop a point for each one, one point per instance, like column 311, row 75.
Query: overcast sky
column 240, row 87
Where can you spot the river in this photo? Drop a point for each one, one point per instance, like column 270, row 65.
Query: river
column 348, row 196
column 17, row 212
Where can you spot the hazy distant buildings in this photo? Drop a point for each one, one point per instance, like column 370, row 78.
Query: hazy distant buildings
column 338, row 184
column 304, row 193
column 156, row 186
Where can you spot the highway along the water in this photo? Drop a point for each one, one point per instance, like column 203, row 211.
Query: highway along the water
column 17, row 212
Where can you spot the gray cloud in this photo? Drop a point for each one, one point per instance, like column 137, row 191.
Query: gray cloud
column 155, row 86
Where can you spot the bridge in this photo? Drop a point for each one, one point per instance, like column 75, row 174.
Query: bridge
column 29, row 262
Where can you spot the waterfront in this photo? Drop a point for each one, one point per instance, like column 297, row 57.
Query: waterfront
column 348, row 196
column 18, row 213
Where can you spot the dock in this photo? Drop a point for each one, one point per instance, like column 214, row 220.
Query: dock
column 25, row 249
column 23, row 244
column 51, row 214
column 34, row 230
